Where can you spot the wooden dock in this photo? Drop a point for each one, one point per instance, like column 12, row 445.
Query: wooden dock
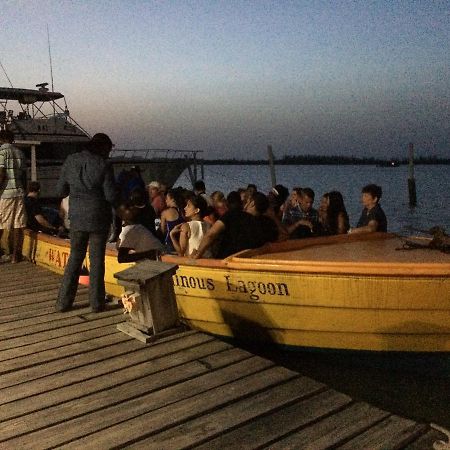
column 72, row 380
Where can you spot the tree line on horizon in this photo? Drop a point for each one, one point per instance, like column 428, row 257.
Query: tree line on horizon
column 329, row 160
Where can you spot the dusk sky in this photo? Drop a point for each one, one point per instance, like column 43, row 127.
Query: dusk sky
column 359, row 78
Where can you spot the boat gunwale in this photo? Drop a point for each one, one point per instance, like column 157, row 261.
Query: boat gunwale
column 249, row 260
column 242, row 261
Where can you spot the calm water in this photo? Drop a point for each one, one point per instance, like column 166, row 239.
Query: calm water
column 433, row 188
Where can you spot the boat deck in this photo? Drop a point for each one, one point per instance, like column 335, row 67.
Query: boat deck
column 72, row 380
column 375, row 251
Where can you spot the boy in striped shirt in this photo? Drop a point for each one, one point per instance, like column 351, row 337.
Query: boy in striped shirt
column 12, row 189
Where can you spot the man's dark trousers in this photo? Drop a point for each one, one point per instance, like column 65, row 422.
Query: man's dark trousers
column 79, row 241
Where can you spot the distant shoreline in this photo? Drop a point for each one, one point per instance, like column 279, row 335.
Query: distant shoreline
column 327, row 161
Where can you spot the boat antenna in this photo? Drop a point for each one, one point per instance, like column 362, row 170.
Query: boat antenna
column 4, row 71
column 51, row 71
column 50, row 58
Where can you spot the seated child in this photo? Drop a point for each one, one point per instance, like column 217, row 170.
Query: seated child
column 135, row 241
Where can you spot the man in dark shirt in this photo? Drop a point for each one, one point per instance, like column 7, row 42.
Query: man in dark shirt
column 372, row 217
column 239, row 230
column 36, row 220
column 89, row 180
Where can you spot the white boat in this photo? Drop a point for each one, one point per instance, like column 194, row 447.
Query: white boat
column 47, row 133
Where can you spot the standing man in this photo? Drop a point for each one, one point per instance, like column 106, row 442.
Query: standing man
column 12, row 189
column 89, row 180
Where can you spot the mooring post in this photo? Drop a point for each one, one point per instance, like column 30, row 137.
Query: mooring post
column 271, row 166
column 411, row 179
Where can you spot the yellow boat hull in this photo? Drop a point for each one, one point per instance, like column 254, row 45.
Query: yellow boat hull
column 270, row 295
column 372, row 305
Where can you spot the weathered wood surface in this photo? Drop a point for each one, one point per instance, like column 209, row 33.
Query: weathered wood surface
column 72, row 380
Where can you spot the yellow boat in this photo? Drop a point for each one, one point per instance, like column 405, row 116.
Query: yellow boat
column 342, row 292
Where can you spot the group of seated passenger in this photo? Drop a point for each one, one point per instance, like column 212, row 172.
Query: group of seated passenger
column 302, row 220
column 151, row 220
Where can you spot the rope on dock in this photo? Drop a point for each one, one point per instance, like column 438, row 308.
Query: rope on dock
column 441, row 445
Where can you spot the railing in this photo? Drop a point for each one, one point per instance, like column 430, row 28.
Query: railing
column 155, row 153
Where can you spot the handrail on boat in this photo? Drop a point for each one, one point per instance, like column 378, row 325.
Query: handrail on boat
column 163, row 153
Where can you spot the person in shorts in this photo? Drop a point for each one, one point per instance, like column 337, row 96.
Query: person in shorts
column 12, row 190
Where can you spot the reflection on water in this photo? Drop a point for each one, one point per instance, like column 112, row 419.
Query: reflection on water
column 432, row 181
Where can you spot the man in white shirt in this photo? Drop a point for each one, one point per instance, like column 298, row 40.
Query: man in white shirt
column 136, row 242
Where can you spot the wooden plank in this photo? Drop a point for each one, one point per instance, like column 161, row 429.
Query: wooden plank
column 50, row 316
column 31, row 279
column 111, row 310
column 58, row 332
column 40, row 294
column 92, row 393
column 20, row 268
column 394, row 432
column 38, row 301
column 208, row 426
column 94, row 369
column 31, row 299
column 264, row 429
column 99, row 400
column 136, row 424
column 20, row 314
column 63, row 321
column 158, row 401
column 41, row 327
column 9, row 269
column 68, row 351
column 18, row 291
column 60, row 342
column 61, row 365
column 335, row 429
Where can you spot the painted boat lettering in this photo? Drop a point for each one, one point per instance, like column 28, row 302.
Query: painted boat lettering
column 232, row 284
column 57, row 258
column 256, row 288
column 194, row 282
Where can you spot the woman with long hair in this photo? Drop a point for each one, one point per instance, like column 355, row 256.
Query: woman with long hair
column 186, row 237
column 171, row 217
column 333, row 215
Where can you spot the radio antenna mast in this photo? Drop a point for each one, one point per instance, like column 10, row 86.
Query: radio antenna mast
column 6, row 75
column 50, row 59
column 51, row 71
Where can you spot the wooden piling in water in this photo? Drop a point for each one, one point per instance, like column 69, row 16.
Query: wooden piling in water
column 411, row 180
column 273, row 178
